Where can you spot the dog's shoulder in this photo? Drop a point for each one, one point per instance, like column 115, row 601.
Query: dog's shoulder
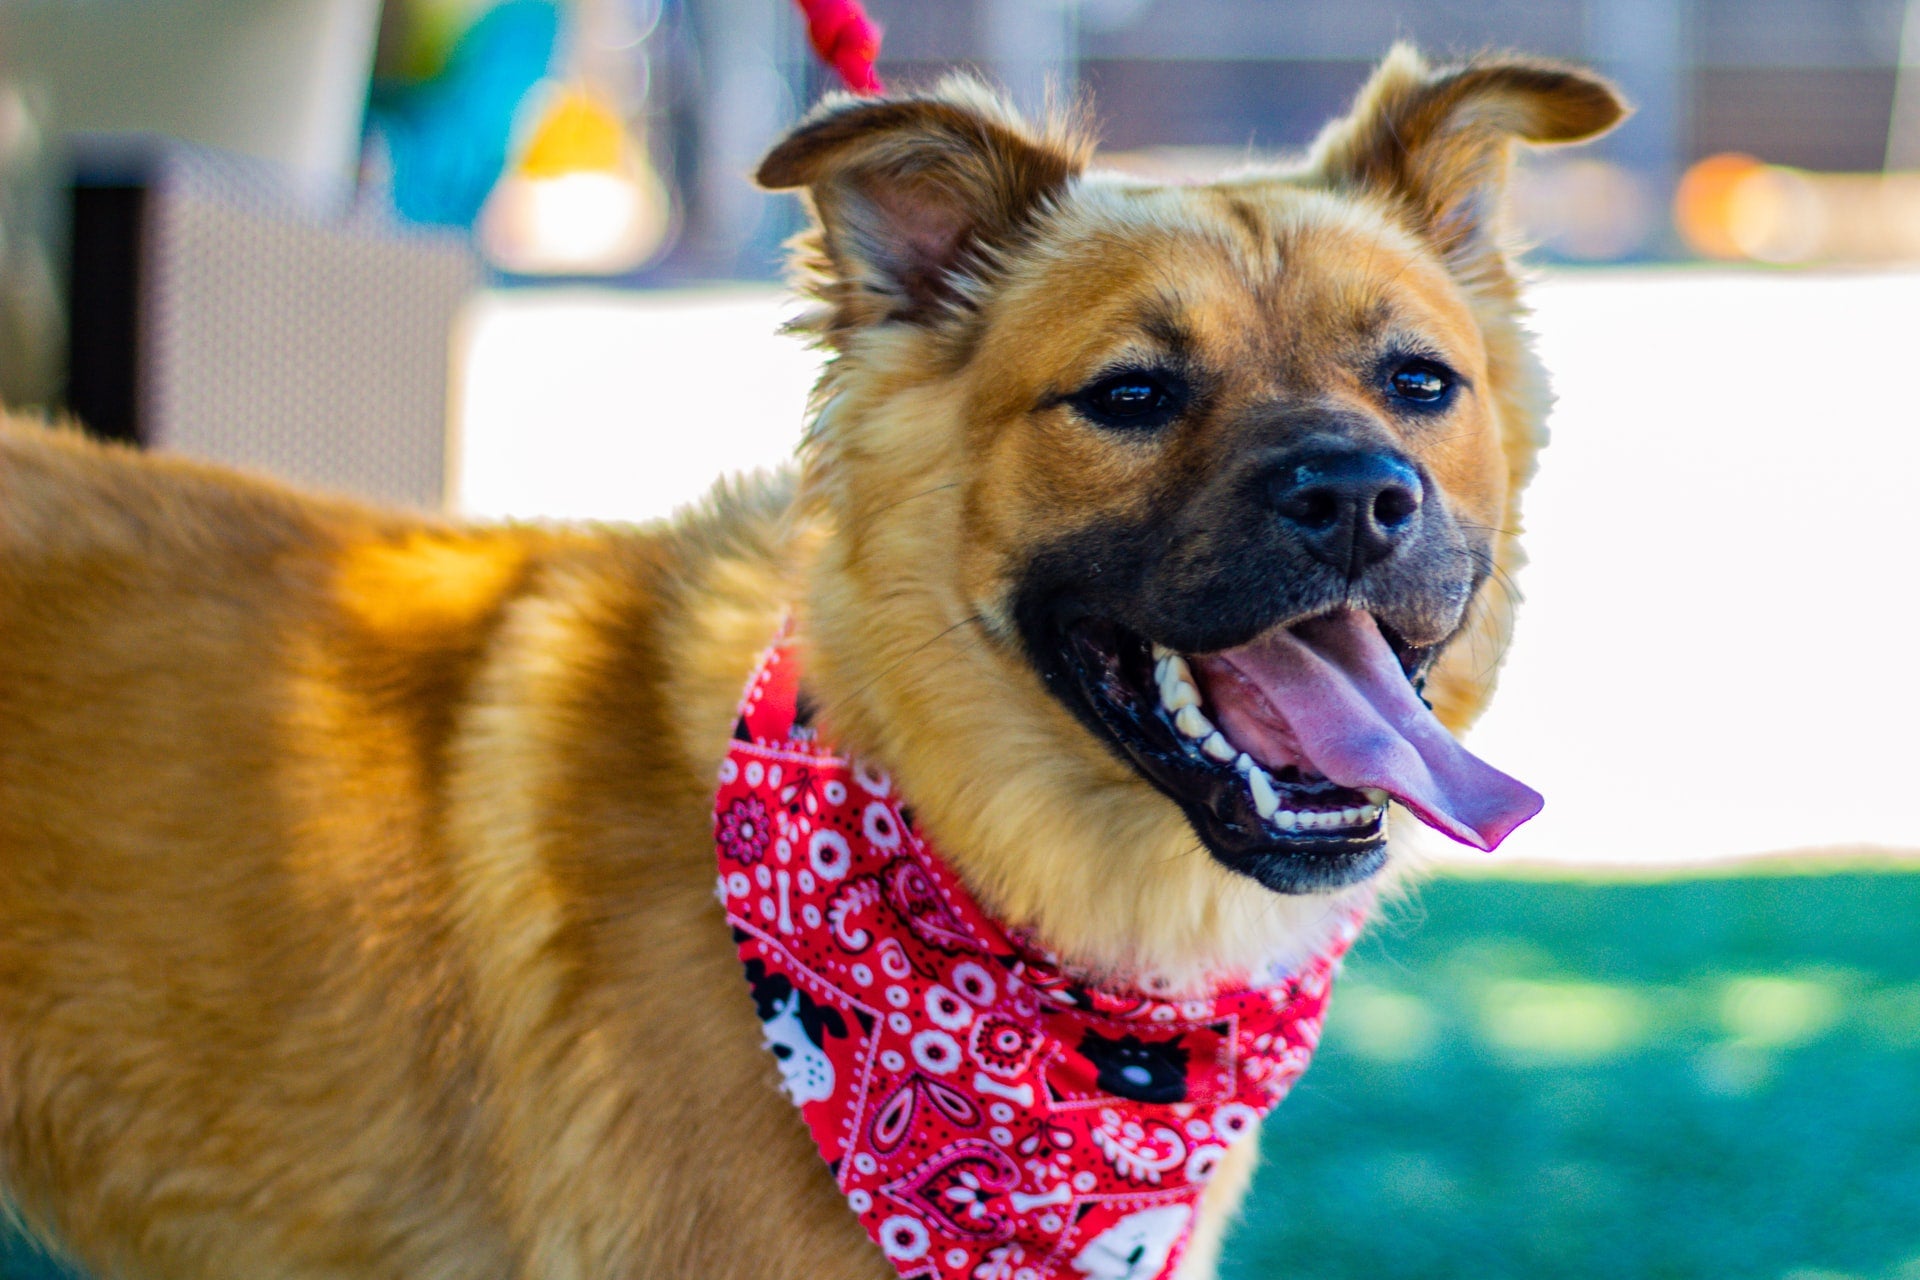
column 642, row 638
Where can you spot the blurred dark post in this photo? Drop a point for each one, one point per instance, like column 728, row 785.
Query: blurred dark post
column 103, row 303
column 1646, row 46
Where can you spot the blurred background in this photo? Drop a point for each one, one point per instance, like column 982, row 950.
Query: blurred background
column 502, row 257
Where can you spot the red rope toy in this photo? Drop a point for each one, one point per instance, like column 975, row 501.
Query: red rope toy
column 846, row 40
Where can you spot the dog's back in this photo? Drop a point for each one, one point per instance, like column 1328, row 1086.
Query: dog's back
column 353, row 867
column 265, row 774
column 216, row 847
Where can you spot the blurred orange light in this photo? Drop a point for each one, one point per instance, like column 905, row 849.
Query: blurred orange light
column 1705, row 203
column 1778, row 215
column 1735, row 207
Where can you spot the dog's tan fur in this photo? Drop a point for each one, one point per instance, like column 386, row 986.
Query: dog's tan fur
column 356, row 911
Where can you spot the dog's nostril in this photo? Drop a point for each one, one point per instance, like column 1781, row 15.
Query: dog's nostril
column 1395, row 506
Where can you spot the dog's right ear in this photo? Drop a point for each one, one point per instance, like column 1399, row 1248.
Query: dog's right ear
column 915, row 200
column 1438, row 143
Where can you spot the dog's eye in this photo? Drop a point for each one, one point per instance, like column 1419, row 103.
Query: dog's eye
column 1424, row 382
column 1133, row 400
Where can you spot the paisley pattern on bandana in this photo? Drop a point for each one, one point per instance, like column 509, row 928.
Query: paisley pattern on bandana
column 988, row 1115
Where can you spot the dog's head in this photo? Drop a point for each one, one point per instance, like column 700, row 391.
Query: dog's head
column 1142, row 493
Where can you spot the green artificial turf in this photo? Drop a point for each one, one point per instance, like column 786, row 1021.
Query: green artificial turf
column 1556, row 1080
column 1712, row 1078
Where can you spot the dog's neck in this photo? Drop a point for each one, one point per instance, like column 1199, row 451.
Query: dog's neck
column 1053, row 836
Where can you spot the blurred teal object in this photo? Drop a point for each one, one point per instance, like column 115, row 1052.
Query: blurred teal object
column 20, row 1260
column 1700, row 1079
column 447, row 138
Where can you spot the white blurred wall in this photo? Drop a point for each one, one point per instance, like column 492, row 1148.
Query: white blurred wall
column 1716, row 654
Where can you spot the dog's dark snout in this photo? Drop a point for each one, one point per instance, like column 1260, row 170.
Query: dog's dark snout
column 1351, row 507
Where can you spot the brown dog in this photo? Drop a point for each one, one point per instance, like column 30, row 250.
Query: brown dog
column 356, row 870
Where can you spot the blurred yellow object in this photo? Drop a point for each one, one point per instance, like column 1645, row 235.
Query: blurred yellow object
column 583, row 198
column 1734, row 207
column 580, row 132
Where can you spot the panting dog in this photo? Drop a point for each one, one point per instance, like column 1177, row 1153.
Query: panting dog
column 1039, row 739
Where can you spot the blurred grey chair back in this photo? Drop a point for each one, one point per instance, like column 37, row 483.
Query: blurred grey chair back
column 216, row 312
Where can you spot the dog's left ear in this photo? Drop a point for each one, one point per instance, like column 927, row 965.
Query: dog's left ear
column 1438, row 144
column 915, row 199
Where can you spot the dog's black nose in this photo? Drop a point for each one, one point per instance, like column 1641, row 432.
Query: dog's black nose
column 1352, row 507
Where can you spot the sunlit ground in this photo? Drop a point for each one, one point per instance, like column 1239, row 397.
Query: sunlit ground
column 1715, row 656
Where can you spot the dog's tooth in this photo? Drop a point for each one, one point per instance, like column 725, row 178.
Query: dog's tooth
column 1376, row 795
column 1287, row 819
column 1370, row 814
column 1218, row 747
column 1190, row 722
column 1265, row 802
column 1176, row 684
column 1176, row 693
column 1349, row 817
column 1244, row 764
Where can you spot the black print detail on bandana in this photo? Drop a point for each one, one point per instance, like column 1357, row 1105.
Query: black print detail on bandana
column 1143, row 1070
column 796, row 1027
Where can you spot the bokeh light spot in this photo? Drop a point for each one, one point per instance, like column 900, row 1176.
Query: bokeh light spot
column 1579, row 1021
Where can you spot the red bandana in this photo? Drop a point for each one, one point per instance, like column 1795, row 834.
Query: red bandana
column 987, row 1116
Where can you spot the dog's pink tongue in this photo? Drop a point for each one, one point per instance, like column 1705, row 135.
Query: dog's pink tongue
column 1355, row 719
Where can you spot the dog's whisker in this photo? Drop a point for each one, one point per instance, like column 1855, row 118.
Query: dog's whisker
column 917, row 650
column 1489, row 528
column 924, row 493
column 1500, row 583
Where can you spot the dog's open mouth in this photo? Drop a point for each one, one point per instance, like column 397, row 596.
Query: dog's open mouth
column 1285, row 751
